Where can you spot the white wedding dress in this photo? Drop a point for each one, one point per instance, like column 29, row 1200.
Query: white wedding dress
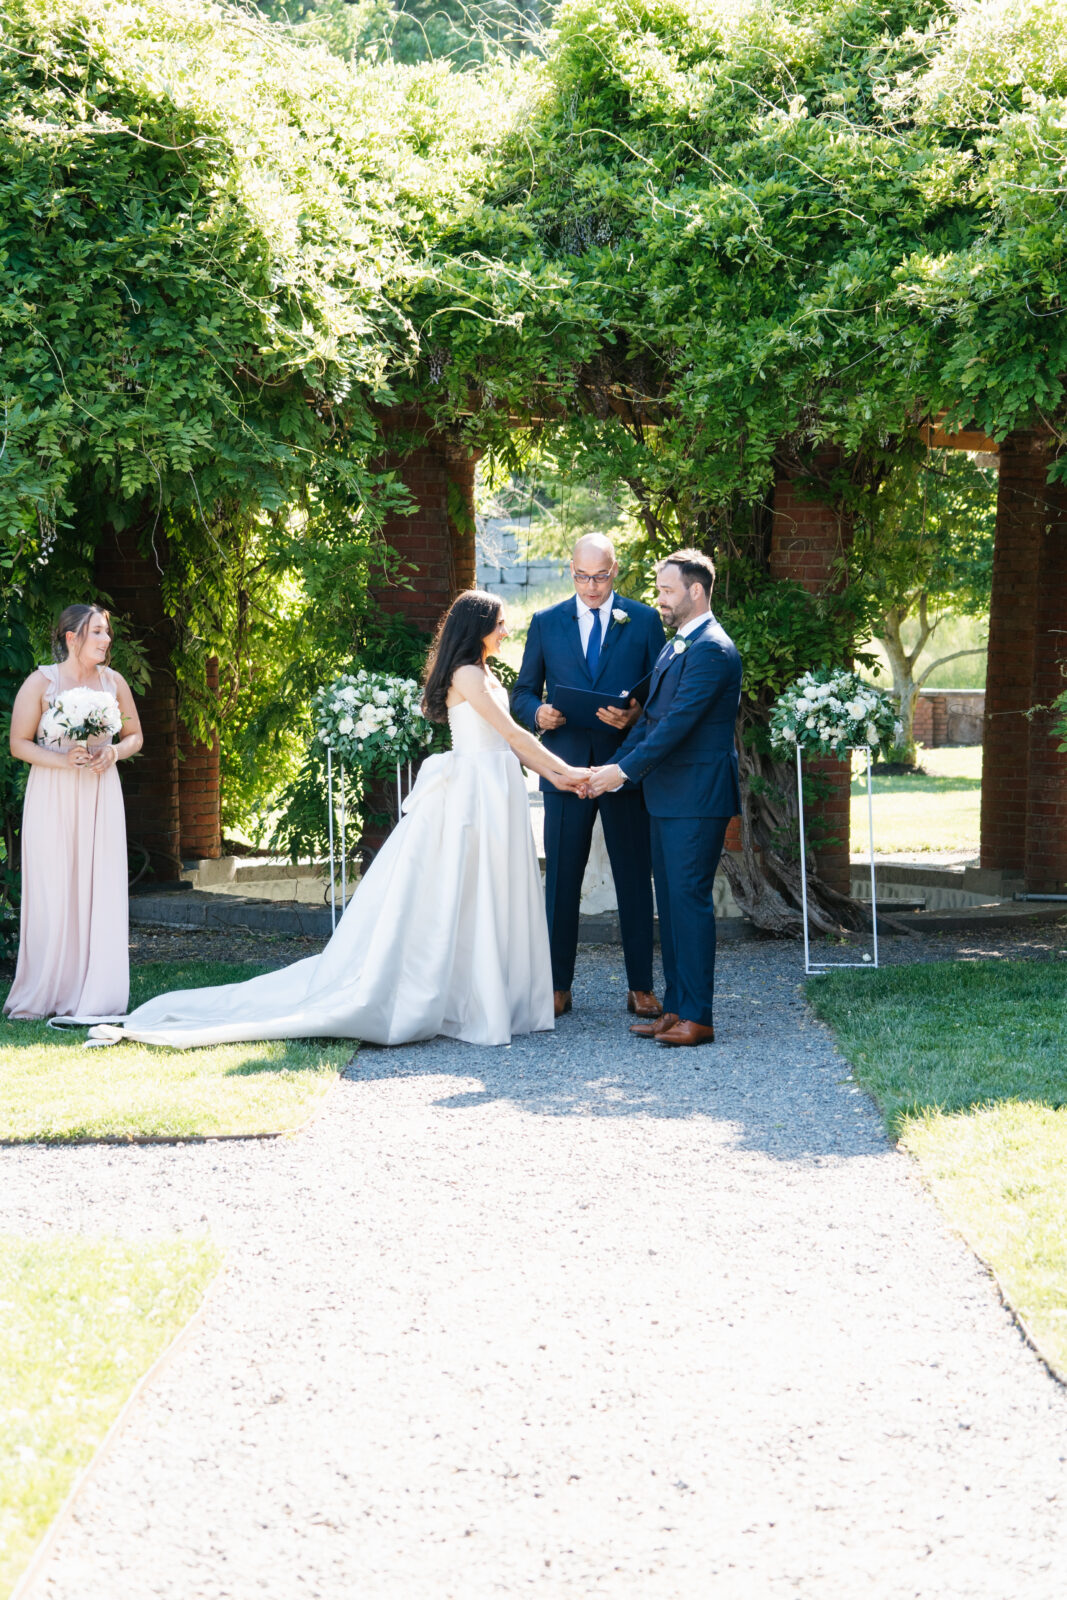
column 446, row 933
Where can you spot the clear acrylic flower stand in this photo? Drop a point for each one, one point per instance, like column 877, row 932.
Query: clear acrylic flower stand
column 343, row 819
column 869, row 962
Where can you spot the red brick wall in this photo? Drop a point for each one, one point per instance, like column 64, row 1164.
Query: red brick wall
column 198, row 788
column 1046, row 795
column 131, row 581
column 436, row 550
column 809, row 541
column 1022, row 513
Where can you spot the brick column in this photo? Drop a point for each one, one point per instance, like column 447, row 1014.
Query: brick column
column 1046, row 795
column 131, row 584
column 436, row 543
column 809, row 538
column 198, row 787
column 1022, row 514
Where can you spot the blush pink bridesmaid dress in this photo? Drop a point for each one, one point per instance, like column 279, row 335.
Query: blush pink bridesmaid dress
column 74, row 956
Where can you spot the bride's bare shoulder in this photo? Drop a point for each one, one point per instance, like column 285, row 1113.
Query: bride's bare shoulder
column 468, row 683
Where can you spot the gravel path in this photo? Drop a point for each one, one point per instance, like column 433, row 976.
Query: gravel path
column 577, row 1318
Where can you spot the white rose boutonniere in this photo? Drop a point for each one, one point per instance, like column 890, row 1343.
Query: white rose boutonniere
column 620, row 616
column 680, row 646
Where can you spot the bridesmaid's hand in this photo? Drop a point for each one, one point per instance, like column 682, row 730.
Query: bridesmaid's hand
column 100, row 760
column 77, row 756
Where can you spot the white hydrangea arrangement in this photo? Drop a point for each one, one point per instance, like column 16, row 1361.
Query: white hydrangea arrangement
column 830, row 713
column 80, row 715
column 372, row 720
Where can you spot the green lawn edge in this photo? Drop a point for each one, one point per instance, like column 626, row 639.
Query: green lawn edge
column 84, row 1320
column 967, row 1061
column 53, row 1090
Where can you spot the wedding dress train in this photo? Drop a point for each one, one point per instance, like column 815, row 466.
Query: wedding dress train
column 445, row 934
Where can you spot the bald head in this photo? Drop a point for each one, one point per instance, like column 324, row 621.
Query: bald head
column 593, row 568
column 594, row 552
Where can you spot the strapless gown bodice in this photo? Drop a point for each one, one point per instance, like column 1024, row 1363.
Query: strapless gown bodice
column 445, row 934
column 472, row 735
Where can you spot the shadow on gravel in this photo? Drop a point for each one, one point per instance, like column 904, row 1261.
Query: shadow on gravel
column 787, row 1098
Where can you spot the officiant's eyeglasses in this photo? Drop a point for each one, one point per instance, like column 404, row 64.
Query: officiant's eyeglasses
column 590, row 577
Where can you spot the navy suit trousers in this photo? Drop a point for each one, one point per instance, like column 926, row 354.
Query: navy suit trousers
column 568, row 835
column 685, row 855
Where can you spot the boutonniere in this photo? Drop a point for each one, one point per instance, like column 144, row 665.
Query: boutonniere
column 680, row 646
column 620, row 616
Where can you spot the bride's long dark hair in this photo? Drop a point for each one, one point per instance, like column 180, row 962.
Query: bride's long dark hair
column 460, row 642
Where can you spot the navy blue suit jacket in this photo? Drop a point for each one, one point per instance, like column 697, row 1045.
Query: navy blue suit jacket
column 682, row 749
column 554, row 657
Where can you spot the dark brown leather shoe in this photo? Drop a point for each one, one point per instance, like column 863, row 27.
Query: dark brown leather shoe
column 652, row 1030
column 686, row 1033
column 561, row 1001
column 643, row 1003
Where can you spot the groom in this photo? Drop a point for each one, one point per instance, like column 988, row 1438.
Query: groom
column 595, row 640
column 682, row 752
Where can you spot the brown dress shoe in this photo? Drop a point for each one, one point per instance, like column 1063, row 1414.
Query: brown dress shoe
column 686, row 1033
column 643, row 1003
column 561, row 1001
column 652, row 1030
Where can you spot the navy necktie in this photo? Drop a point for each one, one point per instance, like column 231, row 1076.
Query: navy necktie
column 592, row 649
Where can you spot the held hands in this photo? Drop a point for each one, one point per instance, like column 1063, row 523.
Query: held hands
column 604, row 780
column 572, row 780
column 620, row 719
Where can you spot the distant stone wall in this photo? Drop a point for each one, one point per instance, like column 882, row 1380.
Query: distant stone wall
column 503, row 568
column 949, row 717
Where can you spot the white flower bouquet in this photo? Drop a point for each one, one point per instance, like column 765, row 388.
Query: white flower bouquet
column 372, row 720
column 829, row 713
column 80, row 715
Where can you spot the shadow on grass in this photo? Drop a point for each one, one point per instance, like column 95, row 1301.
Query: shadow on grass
column 951, row 1036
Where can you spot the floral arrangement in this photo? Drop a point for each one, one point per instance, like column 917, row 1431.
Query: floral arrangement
column 372, row 720
column 79, row 715
column 829, row 713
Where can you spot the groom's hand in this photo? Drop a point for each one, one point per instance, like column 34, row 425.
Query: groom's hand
column 547, row 717
column 605, row 780
column 620, row 719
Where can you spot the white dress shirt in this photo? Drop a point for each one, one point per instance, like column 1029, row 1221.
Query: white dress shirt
column 693, row 624
column 585, row 619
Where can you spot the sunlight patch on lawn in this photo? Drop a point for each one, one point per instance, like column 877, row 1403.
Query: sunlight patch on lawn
column 81, row 1321
column 52, row 1088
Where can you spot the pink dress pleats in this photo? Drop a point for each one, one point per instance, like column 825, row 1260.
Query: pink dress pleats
column 74, row 957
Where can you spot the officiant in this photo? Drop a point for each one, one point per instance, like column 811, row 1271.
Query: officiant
column 592, row 645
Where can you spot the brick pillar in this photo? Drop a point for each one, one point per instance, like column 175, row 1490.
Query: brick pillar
column 809, row 538
column 1022, row 514
column 131, row 583
column 1046, row 795
column 436, row 543
column 198, row 787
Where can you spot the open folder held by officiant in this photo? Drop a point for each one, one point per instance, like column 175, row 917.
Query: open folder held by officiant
column 580, row 706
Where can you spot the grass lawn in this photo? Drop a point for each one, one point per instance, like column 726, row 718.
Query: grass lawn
column 938, row 811
column 968, row 1063
column 51, row 1088
column 81, row 1321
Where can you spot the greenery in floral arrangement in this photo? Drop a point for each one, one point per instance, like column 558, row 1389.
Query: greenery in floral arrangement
column 831, row 713
column 372, row 720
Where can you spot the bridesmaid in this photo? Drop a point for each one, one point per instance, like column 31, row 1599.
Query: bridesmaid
column 74, row 956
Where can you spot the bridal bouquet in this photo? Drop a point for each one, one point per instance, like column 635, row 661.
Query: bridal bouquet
column 828, row 713
column 79, row 715
column 372, row 720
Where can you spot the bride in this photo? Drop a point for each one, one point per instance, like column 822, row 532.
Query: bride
column 446, row 932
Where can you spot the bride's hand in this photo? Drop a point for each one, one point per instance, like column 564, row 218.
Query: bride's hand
column 571, row 780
